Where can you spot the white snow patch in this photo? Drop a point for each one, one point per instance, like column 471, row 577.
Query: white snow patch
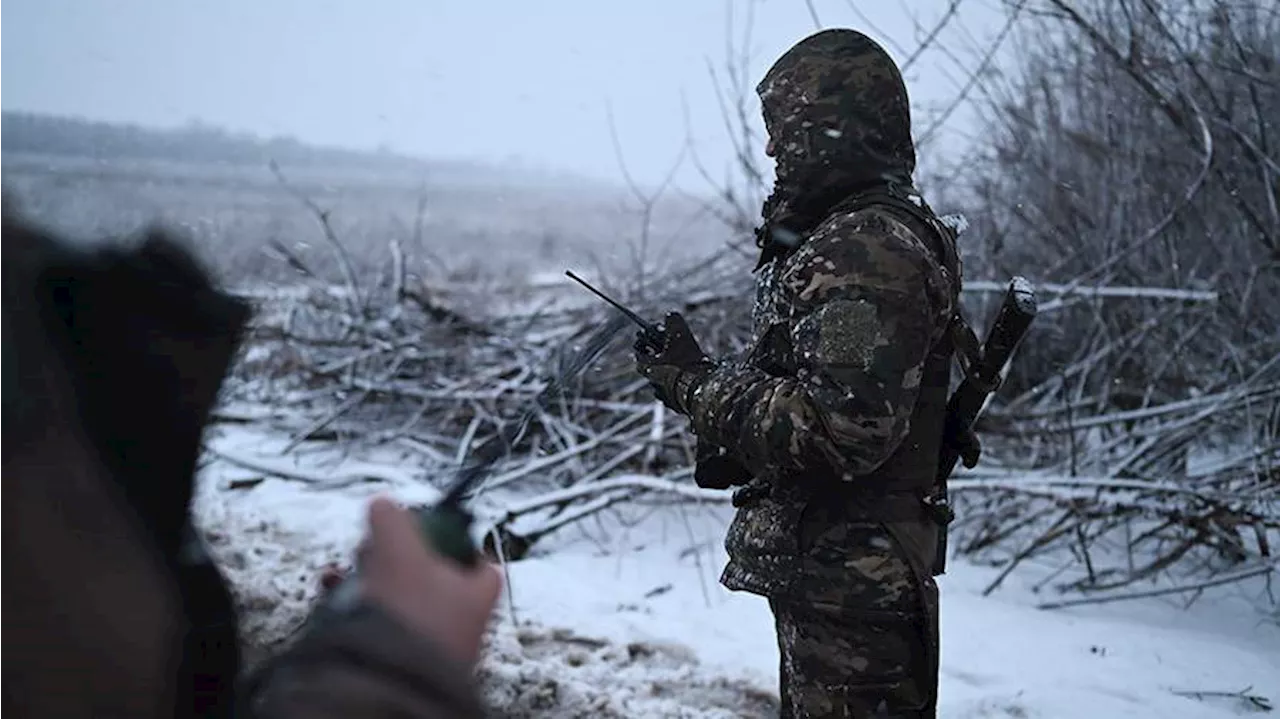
column 625, row 617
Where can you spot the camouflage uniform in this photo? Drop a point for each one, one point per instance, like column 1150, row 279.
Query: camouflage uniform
column 837, row 410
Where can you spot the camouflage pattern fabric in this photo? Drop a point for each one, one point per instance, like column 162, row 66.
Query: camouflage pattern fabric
column 853, row 635
column 836, row 411
column 839, row 119
column 837, row 664
column 846, row 323
column 833, row 98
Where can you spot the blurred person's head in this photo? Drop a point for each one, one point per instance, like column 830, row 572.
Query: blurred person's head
column 112, row 359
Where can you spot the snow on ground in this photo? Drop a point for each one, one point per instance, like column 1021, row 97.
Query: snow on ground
column 628, row 619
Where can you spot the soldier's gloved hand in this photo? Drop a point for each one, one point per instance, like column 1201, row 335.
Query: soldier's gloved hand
column 716, row 469
column 675, row 368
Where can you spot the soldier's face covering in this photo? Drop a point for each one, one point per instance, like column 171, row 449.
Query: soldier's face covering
column 838, row 119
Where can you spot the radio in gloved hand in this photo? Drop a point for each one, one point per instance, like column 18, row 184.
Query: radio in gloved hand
column 667, row 355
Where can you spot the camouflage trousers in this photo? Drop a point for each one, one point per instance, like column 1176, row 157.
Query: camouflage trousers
column 838, row 663
column 845, row 662
column 855, row 607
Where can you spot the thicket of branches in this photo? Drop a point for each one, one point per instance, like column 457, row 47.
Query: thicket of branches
column 1127, row 168
column 1136, row 146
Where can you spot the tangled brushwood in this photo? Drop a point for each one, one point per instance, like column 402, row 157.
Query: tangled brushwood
column 441, row 373
column 1131, row 149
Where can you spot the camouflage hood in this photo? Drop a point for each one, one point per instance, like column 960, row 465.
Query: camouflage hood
column 837, row 112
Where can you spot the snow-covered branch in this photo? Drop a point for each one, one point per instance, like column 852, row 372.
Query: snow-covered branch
column 1118, row 291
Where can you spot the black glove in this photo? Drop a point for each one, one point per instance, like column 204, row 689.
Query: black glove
column 717, row 470
column 675, row 367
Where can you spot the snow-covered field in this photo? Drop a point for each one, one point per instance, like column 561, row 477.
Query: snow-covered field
column 625, row 618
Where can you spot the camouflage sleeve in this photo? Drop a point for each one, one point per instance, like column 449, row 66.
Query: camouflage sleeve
column 365, row 664
column 870, row 301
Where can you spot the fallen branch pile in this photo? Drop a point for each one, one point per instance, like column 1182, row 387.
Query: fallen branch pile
column 402, row 368
column 1178, row 496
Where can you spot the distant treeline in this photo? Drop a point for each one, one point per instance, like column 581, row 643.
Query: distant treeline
column 196, row 142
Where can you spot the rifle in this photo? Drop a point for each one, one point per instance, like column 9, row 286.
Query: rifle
column 983, row 376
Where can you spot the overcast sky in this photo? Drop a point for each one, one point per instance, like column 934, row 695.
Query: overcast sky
column 484, row 79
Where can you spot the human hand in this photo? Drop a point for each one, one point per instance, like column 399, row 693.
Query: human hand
column 428, row 592
column 716, row 469
column 672, row 369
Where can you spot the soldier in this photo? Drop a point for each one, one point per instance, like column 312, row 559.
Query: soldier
column 833, row 420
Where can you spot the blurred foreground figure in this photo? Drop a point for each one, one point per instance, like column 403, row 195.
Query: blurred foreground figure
column 113, row 358
column 834, row 419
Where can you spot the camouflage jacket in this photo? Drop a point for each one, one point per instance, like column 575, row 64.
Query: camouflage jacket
column 841, row 397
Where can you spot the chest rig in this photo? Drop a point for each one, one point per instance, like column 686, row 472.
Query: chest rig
column 906, row 484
